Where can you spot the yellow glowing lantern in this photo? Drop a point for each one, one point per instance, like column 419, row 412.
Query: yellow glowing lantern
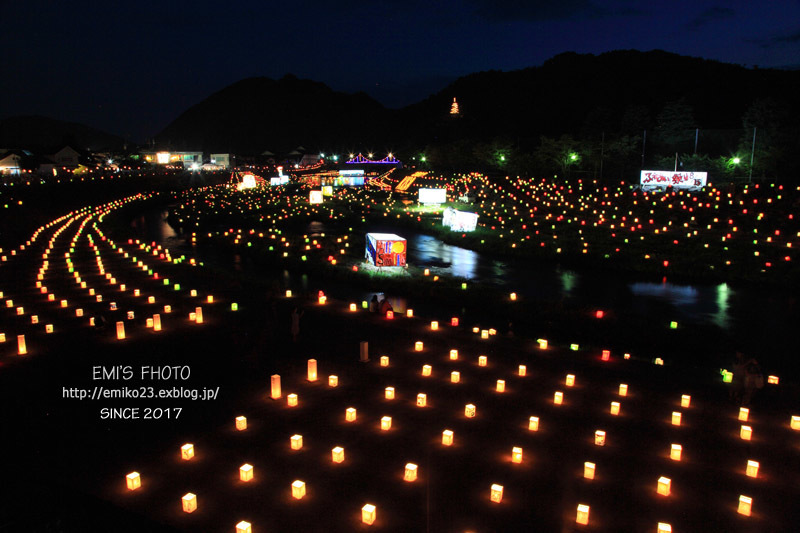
column 496, row 494
column 795, row 423
column 187, row 451
column 773, row 380
column 22, row 347
column 149, row 323
column 426, row 370
column 422, row 399
column 368, row 513
column 350, row 414
column 482, row 360
column 522, row 370
column 386, row 423
column 664, row 486
column 516, row 454
column 664, row 528
column 676, row 418
column 600, row 438
column 388, row 393
column 241, row 423
column 583, row 514
column 323, row 299
column 746, row 432
column 384, row 360
column 151, row 299
column 410, row 313
column 133, row 481
column 244, row 527
column 418, row 346
column 410, row 473
column 675, row 452
column 686, row 400
column 2, row 337
column 288, row 293
column 744, row 414
column 291, row 400
column 501, row 385
column 615, row 408
column 353, row 307
column 558, row 397
column 189, row 503
column 167, row 309
column 469, row 410
column 21, row 311
column 588, row 470
column 136, row 292
column 120, row 330
column 296, row 442
column 333, row 380
column 533, row 423
column 455, row 376
column 63, row 303
column 492, row 331
column 752, row 468
column 210, row 299
column 298, row 489
column 484, row 334
column 312, row 370
column 447, row 437
column 623, row 389
column 156, row 322
column 658, row 361
column 337, row 454
column 198, row 313
column 453, row 355
column 130, row 315
column 246, row 472
column 513, row 296
column 542, row 344
column 434, row 325
column 745, row 505
column 570, row 380
column 48, row 328
column 476, row 329
column 79, row 312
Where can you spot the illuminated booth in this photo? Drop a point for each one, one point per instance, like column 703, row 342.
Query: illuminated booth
column 459, row 220
column 432, row 196
column 386, row 250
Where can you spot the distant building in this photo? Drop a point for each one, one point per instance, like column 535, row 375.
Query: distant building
column 67, row 157
column 187, row 159
column 221, row 160
column 10, row 162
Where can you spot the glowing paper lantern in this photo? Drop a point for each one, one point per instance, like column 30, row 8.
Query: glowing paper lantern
column 426, row 370
column 79, row 312
column 241, row 423
column 664, row 528
column 606, row 355
column 434, row 325
column 296, row 442
column 312, row 370
column 389, row 393
column 583, row 514
column 588, row 470
column 410, row 313
column 455, row 376
column 384, row 360
column 469, row 410
column 298, row 489
column 745, row 505
column 133, row 481
column 600, row 438
column 795, row 423
column 322, row 299
column 187, row 451
column 337, row 454
column 496, row 494
column 275, row 386
column 542, row 344
column 422, row 399
column 292, row 400
column 447, row 437
column 658, row 361
column 623, row 389
column 333, row 380
column 149, row 322
column 501, row 385
column 21, row 311
column 773, row 380
column 167, row 309
column 484, row 334
column 570, row 380
column 516, row 454
column 752, row 468
column 386, row 423
column 246, row 472
column 418, row 346
column 189, row 503
column 482, row 360
column 744, row 414
column 676, row 418
column 558, row 397
column 675, row 451
column 454, row 355
column 198, row 313
column 533, row 423
column 686, row 400
column 350, row 414
column 353, row 307
column 664, row 486
column 615, row 408
column 746, row 432
column 244, row 527
column 513, row 296
column 151, row 299
column 522, row 370
column 368, row 513
column 410, row 473
column 156, row 322
column 120, row 330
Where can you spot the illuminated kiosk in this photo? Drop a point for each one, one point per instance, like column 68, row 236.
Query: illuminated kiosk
column 386, row 250
column 432, row 196
column 660, row 180
column 459, row 220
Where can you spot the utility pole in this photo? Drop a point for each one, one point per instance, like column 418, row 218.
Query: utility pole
column 644, row 141
column 696, row 135
column 602, row 147
column 752, row 154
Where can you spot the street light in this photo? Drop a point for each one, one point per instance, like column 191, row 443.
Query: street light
column 736, row 160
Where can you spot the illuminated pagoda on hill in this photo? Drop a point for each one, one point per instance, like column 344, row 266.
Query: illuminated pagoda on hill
column 454, row 112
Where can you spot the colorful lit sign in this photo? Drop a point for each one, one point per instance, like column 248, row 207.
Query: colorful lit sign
column 432, row 196
column 662, row 179
column 386, row 250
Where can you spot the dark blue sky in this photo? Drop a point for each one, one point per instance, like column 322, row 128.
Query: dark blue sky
column 130, row 68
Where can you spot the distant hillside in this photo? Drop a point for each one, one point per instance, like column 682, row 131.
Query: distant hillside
column 37, row 133
column 258, row 114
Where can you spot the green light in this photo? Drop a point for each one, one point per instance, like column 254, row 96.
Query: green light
column 574, row 347
column 573, row 156
column 166, row 282
column 673, row 325
column 736, row 160
column 464, row 286
column 502, row 158
column 727, row 377
column 234, row 306
column 364, row 304
column 177, row 286
column 422, row 159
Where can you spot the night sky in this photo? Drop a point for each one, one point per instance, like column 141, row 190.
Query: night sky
column 131, row 68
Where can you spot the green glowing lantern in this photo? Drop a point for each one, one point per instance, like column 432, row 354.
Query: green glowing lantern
column 234, row 306
column 464, row 286
column 177, row 286
column 364, row 304
column 574, row 347
column 673, row 325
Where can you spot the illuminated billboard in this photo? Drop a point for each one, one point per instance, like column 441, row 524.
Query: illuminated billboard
column 280, row 180
column 351, row 173
column 432, row 196
column 386, row 250
column 162, row 158
column 459, row 220
column 662, row 179
column 315, row 197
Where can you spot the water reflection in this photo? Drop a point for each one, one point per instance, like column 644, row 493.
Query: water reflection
column 429, row 252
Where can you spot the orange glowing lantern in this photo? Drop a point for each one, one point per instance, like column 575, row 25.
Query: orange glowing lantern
column 570, row 380
column 389, row 393
column 418, row 346
column 350, row 414
column 275, row 386
column 513, row 296
column 291, row 400
column 246, row 472
column 22, row 347
column 156, row 322
column 63, row 303
column 426, row 370
column 447, row 437
column 752, row 468
column 187, row 451
column 210, row 299
column 501, row 385
column 686, row 400
column 533, row 423
column 149, row 323
column 606, row 355
column 312, row 370
column 542, row 344
column 676, row 418
column 368, row 513
column 434, row 325
column 384, row 360
column 133, row 481
column 588, row 470
column 296, row 442
column 151, row 299
column 410, row 473
column 353, row 307
column 746, row 432
column 298, row 489
column 241, row 423
column 244, row 527
column 120, row 330
column 773, row 380
column 410, row 313
column 675, row 452
column 615, row 408
column 386, row 423
column 333, row 380
column 484, row 334
column 745, row 505
column 21, row 311
column 623, row 389
column 454, row 355
column 167, row 309
column 189, row 503
column 496, row 494
column 482, row 360
column 522, row 370
column 744, row 414
column 664, row 486
column 600, row 438
column 198, row 313
column 583, row 514
column 558, row 397
column 664, row 528
column 469, row 410
column 795, row 423
column 79, row 312
column 337, row 454
column 422, row 399
column 455, row 376
column 322, row 299
column 48, row 328
column 516, row 454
